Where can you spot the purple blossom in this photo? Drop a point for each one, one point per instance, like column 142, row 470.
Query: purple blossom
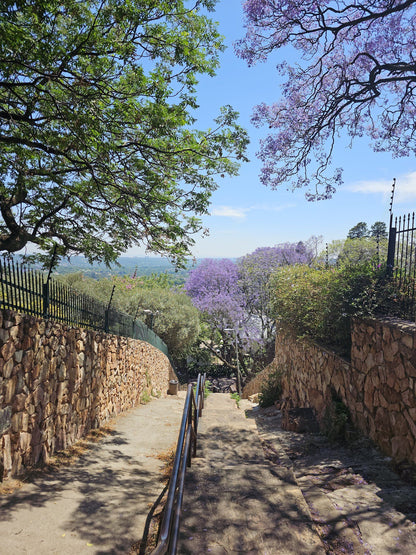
column 214, row 288
column 355, row 72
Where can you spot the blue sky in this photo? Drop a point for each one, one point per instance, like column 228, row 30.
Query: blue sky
column 244, row 213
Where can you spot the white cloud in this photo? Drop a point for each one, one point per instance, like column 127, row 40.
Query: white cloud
column 239, row 213
column 229, row 212
column 405, row 187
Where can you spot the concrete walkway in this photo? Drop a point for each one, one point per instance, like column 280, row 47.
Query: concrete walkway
column 253, row 489
column 99, row 504
column 235, row 501
column 257, row 489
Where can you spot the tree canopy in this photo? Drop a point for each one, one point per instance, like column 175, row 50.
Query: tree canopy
column 234, row 298
column 255, row 270
column 168, row 311
column 355, row 71
column 358, row 231
column 377, row 230
column 98, row 150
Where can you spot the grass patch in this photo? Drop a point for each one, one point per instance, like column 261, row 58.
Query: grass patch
column 236, row 398
column 145, row 398
column 167, row 457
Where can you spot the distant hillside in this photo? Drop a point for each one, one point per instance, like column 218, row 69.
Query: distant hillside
column 142, row 266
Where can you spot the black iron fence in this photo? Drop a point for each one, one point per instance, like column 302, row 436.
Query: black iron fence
column 32, row 292
column 401, row 265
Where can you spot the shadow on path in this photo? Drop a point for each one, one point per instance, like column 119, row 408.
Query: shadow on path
column 99, row 503
column 358, row 502
column 235, row 501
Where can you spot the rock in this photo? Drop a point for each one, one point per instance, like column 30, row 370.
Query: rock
column 300, row 420
column 5, row 419
column 254, row 398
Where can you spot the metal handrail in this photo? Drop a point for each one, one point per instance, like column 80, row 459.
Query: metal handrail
column 169, row 529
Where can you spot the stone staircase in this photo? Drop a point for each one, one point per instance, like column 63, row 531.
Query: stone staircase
column 235, row 500
column 256, row 489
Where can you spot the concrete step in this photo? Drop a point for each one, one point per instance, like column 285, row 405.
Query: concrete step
column 235, row 501
column 359, row 505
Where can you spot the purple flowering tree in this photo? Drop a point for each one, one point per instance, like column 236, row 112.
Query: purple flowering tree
column 255, row 270
column 356, row 71
column 235, row 296
column 214, row 288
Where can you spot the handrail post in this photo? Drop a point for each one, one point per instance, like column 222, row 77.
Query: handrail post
column 186, row 448
column 191, row 427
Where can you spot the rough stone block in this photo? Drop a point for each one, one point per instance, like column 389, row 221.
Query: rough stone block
column 19, row 402
column 391, row 350
column 399, row 448
column 7, row 454
column 25, row 441
column 10, row 389
column 5, row 419
column 411, row 422
column 407, row 340
column 8, row 350
column 8, row 368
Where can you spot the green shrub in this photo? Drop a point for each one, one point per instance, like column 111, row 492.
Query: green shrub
column 319, row 302
column 145, row 398
column 236, row 398
column 207, row 390
column 337, row 420
column 271, row 390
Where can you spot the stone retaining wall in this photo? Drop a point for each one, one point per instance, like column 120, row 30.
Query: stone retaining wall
column 57, row 383
column 378, row 386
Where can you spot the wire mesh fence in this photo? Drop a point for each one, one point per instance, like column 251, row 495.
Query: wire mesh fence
column 32, row 292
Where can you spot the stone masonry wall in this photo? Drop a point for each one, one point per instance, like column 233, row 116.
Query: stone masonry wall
column 57, row 383
column 378, row 386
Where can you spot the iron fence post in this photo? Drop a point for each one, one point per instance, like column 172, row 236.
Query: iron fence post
column 107, row 313
column 391, row 248
column 45, row 299
column 45, row 286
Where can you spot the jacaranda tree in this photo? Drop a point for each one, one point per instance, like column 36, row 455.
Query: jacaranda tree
column 234, row 298
column 98, row 145
column 354, row 71
column 214, row 289
column 255, row 270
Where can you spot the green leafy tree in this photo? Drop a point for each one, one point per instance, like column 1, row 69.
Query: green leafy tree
column 172, row 317
column 356, row 251
column 152, row 299
column 98, row 146
column 358, row 231
column 378, row 229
